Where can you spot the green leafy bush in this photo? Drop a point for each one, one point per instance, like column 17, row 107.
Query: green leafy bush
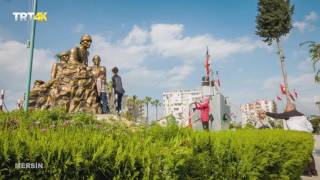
column 315, row 121
column 111, row 151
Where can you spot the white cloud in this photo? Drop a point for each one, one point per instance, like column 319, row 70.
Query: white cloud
column 123, row 56
column 307, row 23
column 300, row 25
column 78, row 28
column 163, row 41
column 13, row 68
column 137, row 36
column 312, row 16
column 144, row 78
column 176, row 76
column 168, row 40
column 303, row 81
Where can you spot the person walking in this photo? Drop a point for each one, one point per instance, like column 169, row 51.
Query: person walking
column 297, row 121
column 204, row 113
column 118, row 88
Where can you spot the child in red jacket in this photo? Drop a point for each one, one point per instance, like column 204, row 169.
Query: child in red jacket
column 204, row 112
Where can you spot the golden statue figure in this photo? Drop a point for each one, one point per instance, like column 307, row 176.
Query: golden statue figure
column 80, row 54
column 96, row 68
column 58, row 67
column 38, row 94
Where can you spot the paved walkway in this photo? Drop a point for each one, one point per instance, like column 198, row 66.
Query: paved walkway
column 316, row 154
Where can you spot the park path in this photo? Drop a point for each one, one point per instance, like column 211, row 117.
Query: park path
column 316, row 154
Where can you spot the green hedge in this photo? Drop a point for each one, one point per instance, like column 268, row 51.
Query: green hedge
column 94, row 150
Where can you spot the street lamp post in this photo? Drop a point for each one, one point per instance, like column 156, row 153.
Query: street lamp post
column 317, row 101
column 33, row 29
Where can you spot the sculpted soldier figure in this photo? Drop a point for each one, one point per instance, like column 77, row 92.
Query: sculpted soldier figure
column 80, row 54
column 58, row 67
column 99, row 73
column 38, row 94
column 96, row 68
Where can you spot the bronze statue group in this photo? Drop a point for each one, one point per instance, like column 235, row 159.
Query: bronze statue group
column 75, row 86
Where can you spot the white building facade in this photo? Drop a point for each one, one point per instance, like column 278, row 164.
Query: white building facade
column 177, row 103
column 250, row 111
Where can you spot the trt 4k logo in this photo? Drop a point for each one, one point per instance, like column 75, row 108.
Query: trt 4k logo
column 29, row 16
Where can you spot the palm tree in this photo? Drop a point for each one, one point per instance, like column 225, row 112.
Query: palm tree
column 139, row 103
column 315, row 57
column 147, row 100
column 273, row 22
column 133, row 104
column 156, row 103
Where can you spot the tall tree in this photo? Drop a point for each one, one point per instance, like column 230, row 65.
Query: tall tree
column 315, row 57
column 130, row 106
column 273, row 22
column 147, row 100
column 139, row 103
column 156, row 103
column 134, row 104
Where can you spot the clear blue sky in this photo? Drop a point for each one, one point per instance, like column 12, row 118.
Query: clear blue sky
column 248, row 69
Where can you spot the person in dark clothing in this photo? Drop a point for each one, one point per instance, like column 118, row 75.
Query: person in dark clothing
column 291, row 111
column 117, row 87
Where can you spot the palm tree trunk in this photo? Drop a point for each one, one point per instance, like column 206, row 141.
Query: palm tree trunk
column 156, row 112
column 147, row 118
column 283, row 69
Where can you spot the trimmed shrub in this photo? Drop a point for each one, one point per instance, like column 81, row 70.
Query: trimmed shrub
column 116, row 152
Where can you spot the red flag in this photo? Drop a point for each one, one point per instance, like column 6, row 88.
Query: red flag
column 279, row 98
column 295, row 93
column 283, row 89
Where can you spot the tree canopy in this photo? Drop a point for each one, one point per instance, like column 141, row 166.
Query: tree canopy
column 273, row 19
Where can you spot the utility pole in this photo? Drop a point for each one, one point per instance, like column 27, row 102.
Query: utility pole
column 33, row 29
column 317, row 101
column 1, row 100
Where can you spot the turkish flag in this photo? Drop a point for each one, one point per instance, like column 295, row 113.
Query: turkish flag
column 283, row 89
column 295, row 93
column 279, row 98
column 291, row 96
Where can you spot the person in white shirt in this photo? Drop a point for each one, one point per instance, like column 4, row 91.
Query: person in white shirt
column 102, row 92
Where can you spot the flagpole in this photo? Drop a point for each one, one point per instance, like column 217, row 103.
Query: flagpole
column 33, row 29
